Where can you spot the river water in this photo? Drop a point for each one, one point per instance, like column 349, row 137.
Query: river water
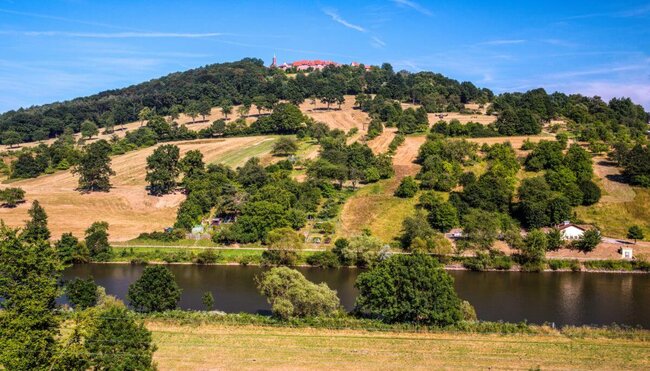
column 564, row 298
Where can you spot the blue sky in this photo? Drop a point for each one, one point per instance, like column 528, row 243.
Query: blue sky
column 60, row 49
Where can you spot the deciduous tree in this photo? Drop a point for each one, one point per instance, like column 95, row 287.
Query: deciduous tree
column 81, row 293
column 163, row 169
column 284, row 146
column 155, row 291
column 89, row 129
column 97, row 242
column 94, row 168
column 292, row 295
column 11, row 197
column 408, row 288
column 635, row 232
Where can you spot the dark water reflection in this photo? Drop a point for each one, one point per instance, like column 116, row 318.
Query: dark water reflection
column 563, row 298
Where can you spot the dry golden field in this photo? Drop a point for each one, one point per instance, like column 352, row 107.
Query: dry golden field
column 380, row 144
column 127, row 208
column 345, row 118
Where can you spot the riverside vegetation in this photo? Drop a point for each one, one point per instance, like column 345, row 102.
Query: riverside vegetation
column 102, row 333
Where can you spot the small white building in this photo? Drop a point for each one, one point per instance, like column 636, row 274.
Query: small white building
column 627, row 253
column 570, row 231
column 455, row 233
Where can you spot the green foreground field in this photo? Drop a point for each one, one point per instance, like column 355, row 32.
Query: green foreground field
column 220, row 346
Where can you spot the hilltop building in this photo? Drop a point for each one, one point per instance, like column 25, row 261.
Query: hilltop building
column 306, row 64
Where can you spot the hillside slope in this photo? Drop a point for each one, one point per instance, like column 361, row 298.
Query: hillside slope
column 128, row 208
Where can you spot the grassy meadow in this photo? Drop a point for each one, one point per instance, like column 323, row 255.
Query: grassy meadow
column 218, row 346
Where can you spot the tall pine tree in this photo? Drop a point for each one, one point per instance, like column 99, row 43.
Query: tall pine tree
column 28, row 284
column 36, row 228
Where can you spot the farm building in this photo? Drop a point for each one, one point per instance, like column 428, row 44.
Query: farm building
column 570, row 231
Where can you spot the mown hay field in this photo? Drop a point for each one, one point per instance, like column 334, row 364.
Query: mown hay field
column 186, row 347
column 128, row 208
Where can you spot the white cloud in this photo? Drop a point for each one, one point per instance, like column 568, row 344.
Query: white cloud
column 337, row 18
column 628, row 13
column 114, row 35
column 503, row 42
column 607, row 71
column 377, row 42
column 413, row 5
column 559, row 42
column 62, row 19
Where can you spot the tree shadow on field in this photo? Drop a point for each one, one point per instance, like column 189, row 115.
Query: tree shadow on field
column 618, row 178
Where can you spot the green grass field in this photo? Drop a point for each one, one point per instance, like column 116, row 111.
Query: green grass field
column 188, row 254
column 375, row 207
column 215, row 346
column 239, row 157
column 614, row 219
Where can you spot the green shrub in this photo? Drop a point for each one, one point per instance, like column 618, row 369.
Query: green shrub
column 208, row 256
column 324, row 259
column 155, row 291
column 575, row 266
column 292, row 295
column 483, row 261
column 171, row 236
column 81, row 293
column 554, row 264
column 611, row 265
column 501, row 262
column 408, row 187
column 245, row 260
column 279, row 257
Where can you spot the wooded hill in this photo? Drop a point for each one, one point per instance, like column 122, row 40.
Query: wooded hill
column 246, row 81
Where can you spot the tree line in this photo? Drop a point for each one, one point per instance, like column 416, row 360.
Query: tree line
column 243, row 82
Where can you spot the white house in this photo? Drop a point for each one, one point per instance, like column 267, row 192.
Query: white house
column 570, row 231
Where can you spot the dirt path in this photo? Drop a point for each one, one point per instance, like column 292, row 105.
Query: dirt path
column 127, row 208
column 380, row 144
column 405, row 155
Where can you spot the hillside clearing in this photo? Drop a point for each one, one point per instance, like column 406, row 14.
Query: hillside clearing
column 375, row 207
column 614, row 218
column 344, row 118
column 251, row 347
column 516, row 141
column 380, row 143
column 128, row 208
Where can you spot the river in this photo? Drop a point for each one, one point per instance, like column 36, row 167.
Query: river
column 565, row 298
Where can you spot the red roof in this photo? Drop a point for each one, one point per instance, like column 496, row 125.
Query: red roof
column 316, row 62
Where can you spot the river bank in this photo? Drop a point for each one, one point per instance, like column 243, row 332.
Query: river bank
column 565, row 298
column 254, row 257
